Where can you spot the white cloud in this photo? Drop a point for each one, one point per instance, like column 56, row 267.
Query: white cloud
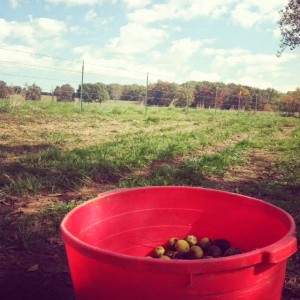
column 181, row 9
column 245, row 16
column 75, row 2
column 22, row 57
column 33, row 31
column 5, row 30
column 246, row 13
column 249, row 13
column 201, row 76
column 75, row 29
column 14, row 3
column 184, row 48
column 136, row 3
column 132, row 4
column 23, row 64
column 230, row 58
column 276, row 33
column 248, row 68
column 92, row 17
column 150, row 41
column 136, row 38
column 20, row 54
column 119, row 67
column 179, row 54
column 258, row 81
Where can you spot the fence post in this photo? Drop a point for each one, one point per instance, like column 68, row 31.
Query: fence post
column 52, row 95
column 216, row 99
column 81, row 88
column 146, row 98
column 256, row 103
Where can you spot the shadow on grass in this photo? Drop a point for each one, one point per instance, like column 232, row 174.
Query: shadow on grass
column 49, row 169
column 32, row 256
column 23, row 149
column 36, row 240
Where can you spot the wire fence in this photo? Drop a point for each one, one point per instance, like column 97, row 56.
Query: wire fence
column 95, row 82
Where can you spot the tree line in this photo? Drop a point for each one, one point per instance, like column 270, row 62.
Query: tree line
column 162, row 93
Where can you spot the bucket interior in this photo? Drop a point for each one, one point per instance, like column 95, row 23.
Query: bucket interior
column 134, row 221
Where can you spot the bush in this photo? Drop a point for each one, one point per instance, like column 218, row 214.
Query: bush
column 33, row 92
column 4, row 90
column 64, row 93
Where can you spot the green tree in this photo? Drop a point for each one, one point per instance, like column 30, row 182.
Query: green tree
column 4, row 90
column 237, row 97
column 289, row 25
column 162, row 93
column 17, row 89
column 274, row 98
column 57, row 92
column 133, row 92
column 93, row 92
column 64, row 93
column 115, row 91
column 291, row 102
column 33, row 92
column 204, row 96
column 184, row 95
column 268, row 99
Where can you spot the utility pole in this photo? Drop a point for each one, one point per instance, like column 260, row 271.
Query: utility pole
column 239, row 101
column 256, row 103
column 81, row 88
column 146, row 99
column 217, row 88
column 187, row 94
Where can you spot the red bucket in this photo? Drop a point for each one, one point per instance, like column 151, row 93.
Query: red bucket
column 107, row 239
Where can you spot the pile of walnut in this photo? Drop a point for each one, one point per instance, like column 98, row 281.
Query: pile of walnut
column 192, row 248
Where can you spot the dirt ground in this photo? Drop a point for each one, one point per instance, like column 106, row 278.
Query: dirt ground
column 42, row 271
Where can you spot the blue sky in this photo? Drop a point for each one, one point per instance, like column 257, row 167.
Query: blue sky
column 123, row 40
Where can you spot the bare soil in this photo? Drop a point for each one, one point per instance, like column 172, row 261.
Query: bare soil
column 42, row 272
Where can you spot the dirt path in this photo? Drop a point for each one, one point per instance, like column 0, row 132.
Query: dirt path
column 42, row 271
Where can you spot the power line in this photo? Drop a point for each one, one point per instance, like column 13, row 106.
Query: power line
column 37, row 54
column 71, row 60
column 66, row 70
column 86, row 63
column 35, row 77
column 37, row 66
column 112, row 76
column 167, row 77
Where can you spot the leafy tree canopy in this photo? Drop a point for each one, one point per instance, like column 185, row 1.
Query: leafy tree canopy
column 4, row 90
column 291, row 102
column 133, row 92
column 93, row 92
column 33, row 92
column 289, row 25
column 64, row 93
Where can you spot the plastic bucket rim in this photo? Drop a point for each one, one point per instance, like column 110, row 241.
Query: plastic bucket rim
column 253, row 257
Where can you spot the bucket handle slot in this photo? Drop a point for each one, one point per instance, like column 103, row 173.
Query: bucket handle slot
column 281, row 250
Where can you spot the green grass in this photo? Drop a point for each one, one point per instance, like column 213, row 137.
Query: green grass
column 158, row 137
column 30, row 232
column 50, row 148
column 187, row 149
column 5, row 106
column 192, row 172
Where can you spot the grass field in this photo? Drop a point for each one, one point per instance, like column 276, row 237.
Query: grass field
column 52, row 158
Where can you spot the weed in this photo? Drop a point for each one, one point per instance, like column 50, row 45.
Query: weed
column 68, row 163
column 5, row 106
